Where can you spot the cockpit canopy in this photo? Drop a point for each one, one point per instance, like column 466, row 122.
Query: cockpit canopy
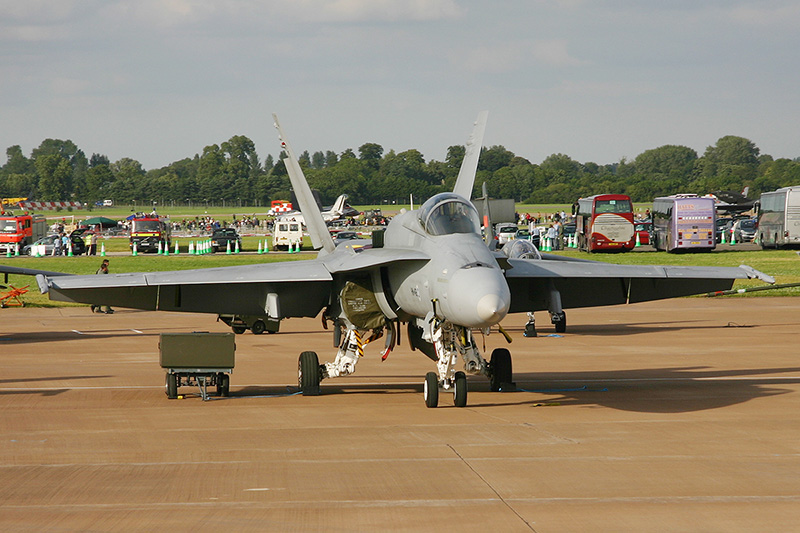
column 448, row 213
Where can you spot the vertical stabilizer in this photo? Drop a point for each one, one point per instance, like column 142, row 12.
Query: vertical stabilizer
column 338, row 206
column 320, row 237
column 466, row 176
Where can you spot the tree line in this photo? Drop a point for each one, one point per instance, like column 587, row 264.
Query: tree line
column 232, row 173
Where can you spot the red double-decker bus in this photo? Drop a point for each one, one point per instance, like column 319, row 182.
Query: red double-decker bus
column 604, row 222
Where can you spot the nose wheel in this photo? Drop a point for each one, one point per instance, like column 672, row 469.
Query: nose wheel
column 431, row 387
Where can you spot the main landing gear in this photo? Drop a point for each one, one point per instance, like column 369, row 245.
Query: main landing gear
column 449, row 342
column 351, row 349
column 557, row 315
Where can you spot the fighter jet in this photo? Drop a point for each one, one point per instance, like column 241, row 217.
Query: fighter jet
column 338, row 210
column 732, row 201
column 428, row 271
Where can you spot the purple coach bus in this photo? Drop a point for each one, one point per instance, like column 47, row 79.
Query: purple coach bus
column 684, row 222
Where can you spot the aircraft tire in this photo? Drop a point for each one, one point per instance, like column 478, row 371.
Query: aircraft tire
column 460, row 384
column 430, row 389
column 258, row 327
column 171, row 386
column 308, row 373
column 561, row 325
column 502, row 370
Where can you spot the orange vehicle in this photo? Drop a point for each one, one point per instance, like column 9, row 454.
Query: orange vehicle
column 20, row 230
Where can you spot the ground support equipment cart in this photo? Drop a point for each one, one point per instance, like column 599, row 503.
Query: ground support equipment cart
column 198, row 358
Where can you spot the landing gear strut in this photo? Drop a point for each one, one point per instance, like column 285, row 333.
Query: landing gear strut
column 530, row 326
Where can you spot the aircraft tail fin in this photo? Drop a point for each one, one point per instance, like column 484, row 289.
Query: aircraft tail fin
column 469, row 166
column 320, row 237
column 338, row 206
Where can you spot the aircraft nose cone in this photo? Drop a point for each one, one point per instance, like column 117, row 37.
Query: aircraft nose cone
column 491, row 308
column 477, row 297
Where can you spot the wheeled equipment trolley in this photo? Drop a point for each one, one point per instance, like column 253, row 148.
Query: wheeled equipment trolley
column 197, row 358
column 257, row 324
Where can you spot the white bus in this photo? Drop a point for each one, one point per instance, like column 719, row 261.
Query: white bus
column 779, row 218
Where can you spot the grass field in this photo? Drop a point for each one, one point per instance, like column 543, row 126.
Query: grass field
column 784, row 265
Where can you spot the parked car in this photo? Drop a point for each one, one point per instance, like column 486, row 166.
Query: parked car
column 568, row 232
column 343, row 236
column 505, row 232
column 222, row 237
column 723, row 225
column 643, row 230
column 744, row 229
column 525, row 235
column 78, row 246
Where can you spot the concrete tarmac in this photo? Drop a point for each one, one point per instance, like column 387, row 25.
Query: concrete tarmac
column 681, row 415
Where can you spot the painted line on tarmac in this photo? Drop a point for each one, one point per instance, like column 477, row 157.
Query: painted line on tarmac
column 422, row 503
column 79, row 332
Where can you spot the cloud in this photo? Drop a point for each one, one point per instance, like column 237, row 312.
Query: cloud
column 390, row 10
column 508, row 57
column 33, row 34
column 167, row 13
column 607, row 89
column 554, row 53
column 777, row 15
column 69, row 86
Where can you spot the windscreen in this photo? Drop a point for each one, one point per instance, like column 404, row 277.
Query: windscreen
column 612, row 206
column 448, row 213
column 146, row 226
column 8, row 226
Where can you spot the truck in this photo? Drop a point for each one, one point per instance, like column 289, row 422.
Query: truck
column 17, row 231
column 149, row 233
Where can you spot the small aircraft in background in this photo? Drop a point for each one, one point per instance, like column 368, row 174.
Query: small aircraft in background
column 338, row 210
column 732, row 201
column 428, row 271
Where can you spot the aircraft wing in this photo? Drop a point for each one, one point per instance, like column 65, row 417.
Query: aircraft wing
column 366, row 258
column 301, row 289
column 594, row 283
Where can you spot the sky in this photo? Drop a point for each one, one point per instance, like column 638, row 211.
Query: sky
column 598, row 80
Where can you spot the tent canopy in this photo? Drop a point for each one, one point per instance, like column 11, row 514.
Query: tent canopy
column 100, row 221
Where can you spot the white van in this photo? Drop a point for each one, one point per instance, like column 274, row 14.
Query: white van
column 286, row 233
column 108, row 203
